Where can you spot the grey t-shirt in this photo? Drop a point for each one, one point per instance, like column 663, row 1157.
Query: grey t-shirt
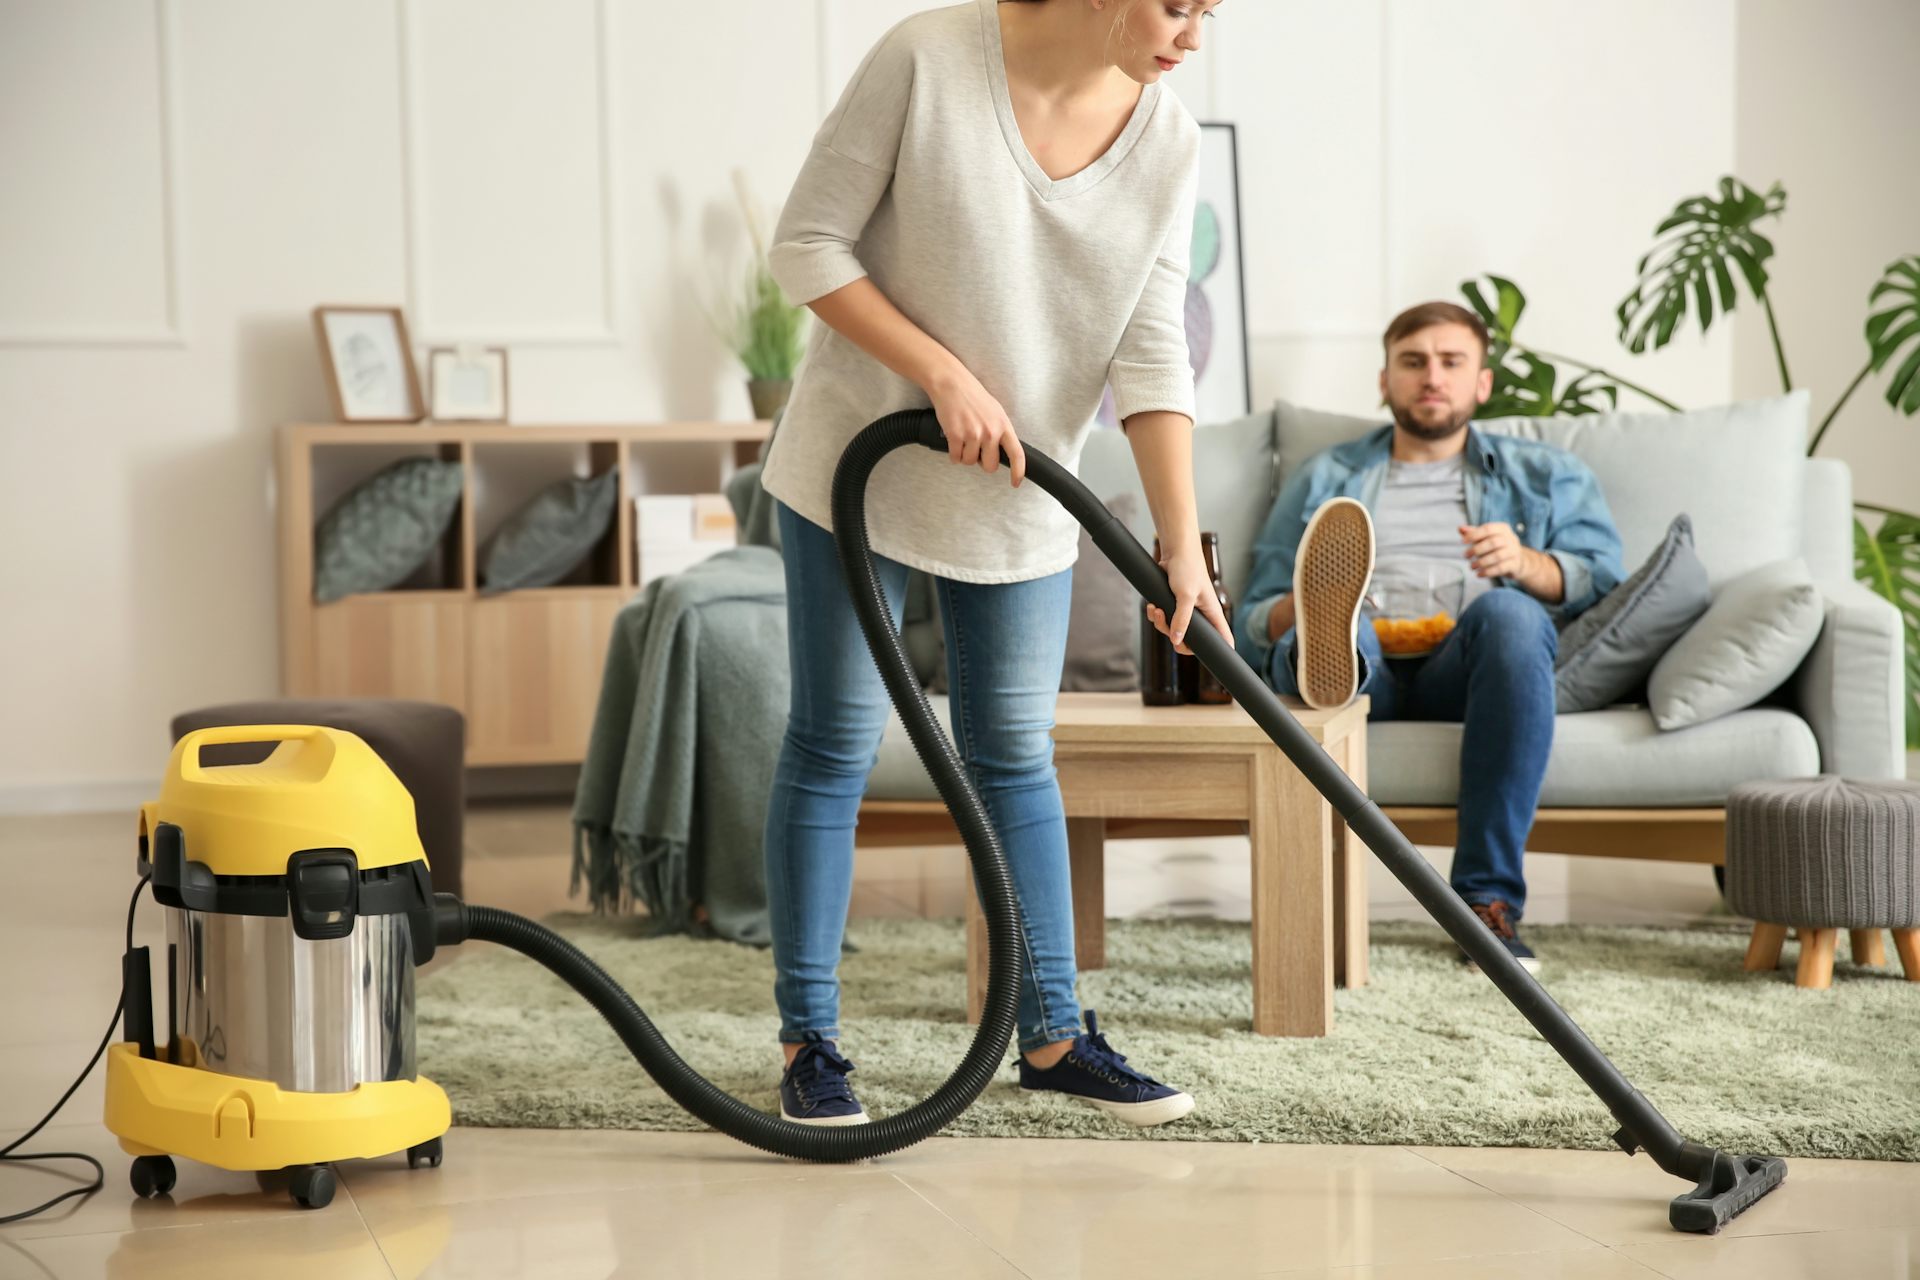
column 1047, row 291
column 1420, row 565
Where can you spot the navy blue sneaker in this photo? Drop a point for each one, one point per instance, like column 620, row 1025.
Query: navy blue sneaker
column 1092, row 1072
column 814, row 1088
column 1500, row 921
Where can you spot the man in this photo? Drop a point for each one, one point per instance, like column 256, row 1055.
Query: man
column 1507, row 537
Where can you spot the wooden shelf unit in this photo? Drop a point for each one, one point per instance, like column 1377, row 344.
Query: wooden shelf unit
column 523, row 666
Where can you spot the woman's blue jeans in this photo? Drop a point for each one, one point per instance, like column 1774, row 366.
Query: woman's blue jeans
column 1006, row 644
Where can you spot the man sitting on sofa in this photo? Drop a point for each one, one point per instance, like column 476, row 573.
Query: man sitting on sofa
column 1430, row 515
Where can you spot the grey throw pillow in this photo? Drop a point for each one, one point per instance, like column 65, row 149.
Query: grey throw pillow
column 384, row 528
column 1758, row 630
column 1606, row 652
column 542, row 542
column 1102, row 621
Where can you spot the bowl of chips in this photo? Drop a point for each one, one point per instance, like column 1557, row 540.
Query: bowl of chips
column 1412, row 637
column 1413, row 604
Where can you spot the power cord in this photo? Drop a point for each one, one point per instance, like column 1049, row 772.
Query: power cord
column 99, row 1174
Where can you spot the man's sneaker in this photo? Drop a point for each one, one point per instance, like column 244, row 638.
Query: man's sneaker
column 1092, row 1072
column 814, row 1089
column 1330, row 575
column 1498, row 918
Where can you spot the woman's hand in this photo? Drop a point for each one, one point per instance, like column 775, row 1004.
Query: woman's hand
column 976, row 427
column 1186, row 571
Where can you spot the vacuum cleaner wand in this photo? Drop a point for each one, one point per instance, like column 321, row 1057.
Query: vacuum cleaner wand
column 1725, row 1184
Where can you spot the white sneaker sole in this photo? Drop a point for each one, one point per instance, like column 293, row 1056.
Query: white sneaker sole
column 826, row 1121
column 1330, row 575
column 1141, row 1115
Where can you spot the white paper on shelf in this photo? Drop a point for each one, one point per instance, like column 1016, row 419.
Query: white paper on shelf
column 658, row 559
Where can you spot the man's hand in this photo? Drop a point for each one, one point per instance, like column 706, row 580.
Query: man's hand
column 1496, row 552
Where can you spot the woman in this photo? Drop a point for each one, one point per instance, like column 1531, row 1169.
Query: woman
column 993, row 221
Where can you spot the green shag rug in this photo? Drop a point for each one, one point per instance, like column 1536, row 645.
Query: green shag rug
column 1428, row 1053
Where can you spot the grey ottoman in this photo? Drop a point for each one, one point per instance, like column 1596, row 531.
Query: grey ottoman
column 1818, row 855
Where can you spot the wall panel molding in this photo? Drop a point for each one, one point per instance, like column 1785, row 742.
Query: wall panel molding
column 425, row 326
column 167, row 107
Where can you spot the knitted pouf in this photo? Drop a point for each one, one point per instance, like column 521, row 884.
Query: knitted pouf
column 1822, row 854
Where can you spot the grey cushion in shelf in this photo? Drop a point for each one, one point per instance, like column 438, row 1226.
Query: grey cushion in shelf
column 542, row 542
column 384, row 528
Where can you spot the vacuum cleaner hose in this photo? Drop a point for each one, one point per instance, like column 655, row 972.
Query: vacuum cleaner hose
column 1006, row 959
column 1726, row 1184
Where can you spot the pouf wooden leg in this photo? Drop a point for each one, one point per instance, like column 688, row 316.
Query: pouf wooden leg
column 1866, row 946
column 1764, row 951
column 1816, row 958
column 1907, row 943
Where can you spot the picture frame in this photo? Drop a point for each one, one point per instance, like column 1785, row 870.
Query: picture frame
column 1217, row 286
column 368, row 359
column 1216, row 310
column 468, row 382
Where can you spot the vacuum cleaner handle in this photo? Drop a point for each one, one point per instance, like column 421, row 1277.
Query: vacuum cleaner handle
column 189, row 746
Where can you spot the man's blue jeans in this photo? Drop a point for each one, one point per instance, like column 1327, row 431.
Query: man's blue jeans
column 1006, row 645
column 1493, row 675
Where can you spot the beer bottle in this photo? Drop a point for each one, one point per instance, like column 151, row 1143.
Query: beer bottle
column 1207, row 687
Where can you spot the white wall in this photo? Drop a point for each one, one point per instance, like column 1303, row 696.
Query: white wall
column 187, row 178
column 1843, row 145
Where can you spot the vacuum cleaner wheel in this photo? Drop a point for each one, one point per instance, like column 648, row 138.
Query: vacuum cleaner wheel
column 152, row 1176
column 426, row 1153
column 311, row 1185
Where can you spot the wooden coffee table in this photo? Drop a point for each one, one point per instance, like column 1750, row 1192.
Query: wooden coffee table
column 1121, row 759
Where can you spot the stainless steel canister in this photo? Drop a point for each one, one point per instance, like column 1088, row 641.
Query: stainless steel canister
column 249, row 998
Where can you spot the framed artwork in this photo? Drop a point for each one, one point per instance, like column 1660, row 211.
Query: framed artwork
column 1216, row 316
column 369, row 364
column 469, row 383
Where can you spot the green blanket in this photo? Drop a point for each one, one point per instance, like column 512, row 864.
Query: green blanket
column 686, row 734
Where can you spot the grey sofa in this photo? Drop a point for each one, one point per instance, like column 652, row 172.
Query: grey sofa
column 1615, row 783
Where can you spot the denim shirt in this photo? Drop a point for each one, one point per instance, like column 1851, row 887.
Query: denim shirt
column 1548, row 496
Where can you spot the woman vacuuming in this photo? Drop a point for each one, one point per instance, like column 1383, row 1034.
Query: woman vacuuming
column 993, row 222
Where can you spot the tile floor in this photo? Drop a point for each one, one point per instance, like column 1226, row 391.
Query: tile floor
column 579, row 1204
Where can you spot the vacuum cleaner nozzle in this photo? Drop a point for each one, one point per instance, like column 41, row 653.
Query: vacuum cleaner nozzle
column 1729, row 1189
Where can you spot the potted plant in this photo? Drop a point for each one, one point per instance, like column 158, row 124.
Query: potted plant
column 1710, row 247
column 764, row 331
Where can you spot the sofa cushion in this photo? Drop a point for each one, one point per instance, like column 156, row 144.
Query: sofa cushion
column 1103, row 619
column 1605, row 758
column 1606, row 652
column 899, row 774
column 1600, row 759
column 1234, row 485
column 1650, row 466
column 1758, row 629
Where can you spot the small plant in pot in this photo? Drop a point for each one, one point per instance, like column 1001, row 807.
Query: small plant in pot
column 765, row 331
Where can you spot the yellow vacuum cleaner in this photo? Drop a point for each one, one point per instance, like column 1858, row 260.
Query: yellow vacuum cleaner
column 298, row 905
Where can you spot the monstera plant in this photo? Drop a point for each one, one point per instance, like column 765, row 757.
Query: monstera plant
column 1704, row 250
column 1525, row 379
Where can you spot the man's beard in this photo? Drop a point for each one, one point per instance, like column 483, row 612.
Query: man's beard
column 1445, row 429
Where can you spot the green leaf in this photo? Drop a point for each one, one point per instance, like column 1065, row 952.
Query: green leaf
column 1502, row 316
column 1890, row 330
column 1710, row 232
column 1584, row 395
column 1888, row 561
